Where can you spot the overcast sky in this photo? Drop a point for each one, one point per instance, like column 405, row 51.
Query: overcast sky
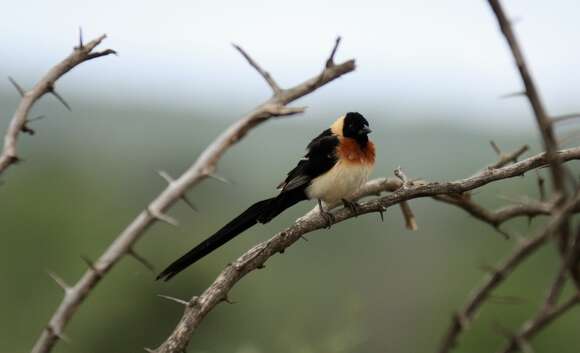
column 440, row 56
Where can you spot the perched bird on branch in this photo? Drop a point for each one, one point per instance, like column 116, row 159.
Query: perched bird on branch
column 337, row 164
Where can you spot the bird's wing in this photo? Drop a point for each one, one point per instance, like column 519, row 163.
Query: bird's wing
column 319, row 159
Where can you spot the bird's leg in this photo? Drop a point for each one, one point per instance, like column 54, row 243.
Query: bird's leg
column 352, row 205
column 328, row 217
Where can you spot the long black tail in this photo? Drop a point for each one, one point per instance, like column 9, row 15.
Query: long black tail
column 262, row 211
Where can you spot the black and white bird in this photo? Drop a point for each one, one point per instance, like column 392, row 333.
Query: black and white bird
column 337, row 163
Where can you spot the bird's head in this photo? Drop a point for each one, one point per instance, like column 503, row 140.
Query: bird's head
column 352, row 125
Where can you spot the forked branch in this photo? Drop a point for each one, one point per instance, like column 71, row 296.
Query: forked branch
column 18, row 123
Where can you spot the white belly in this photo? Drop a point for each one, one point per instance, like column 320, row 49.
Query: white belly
column 338, row 183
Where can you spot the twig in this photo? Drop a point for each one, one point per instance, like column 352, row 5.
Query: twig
column 532, row 327
column 203, row 167
column 542, row 119
column 523, row 250
column 17, row 125
column 498, row 217
column 256, row 257
column 565, row 117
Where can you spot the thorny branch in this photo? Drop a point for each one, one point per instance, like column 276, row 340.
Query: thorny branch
column 203, row 167
column 559, row 222
column 256, row 257
column 19, row 122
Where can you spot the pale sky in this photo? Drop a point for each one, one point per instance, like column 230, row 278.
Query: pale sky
column 432, row 56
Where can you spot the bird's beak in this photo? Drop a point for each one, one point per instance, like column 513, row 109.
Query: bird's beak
column 365, row 130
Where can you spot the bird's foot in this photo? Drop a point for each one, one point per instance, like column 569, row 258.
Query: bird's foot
column 328, row 217
column 351, row 205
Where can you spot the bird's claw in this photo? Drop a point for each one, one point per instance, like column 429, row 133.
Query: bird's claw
column 351, row 205
column 329, row 218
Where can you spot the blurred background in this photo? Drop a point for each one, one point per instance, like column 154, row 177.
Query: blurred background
column 429, row 77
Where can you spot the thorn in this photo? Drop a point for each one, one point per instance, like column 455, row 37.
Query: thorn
column 60, row 335
column 81, row 45
column 513, row 95
column 90, row 264
column 60, row 99
column 36, row 118
column 219, row 178
column 100, row 53
column 165, row 176
column 330, row 61
column 15, row 159
column 25, row 129
column 61, row 283
column 162, row 217
column 17, row 86
column 170, row 180
column 189, row 203
column 227, row 300
column 176, row 300
column 149, row 350
column 502, row 232
column 304, row 238
column 381, row 211
column 141, row 259
column 495, row 147
column 541, row 186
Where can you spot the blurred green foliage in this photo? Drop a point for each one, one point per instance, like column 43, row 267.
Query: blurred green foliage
column 364, row 286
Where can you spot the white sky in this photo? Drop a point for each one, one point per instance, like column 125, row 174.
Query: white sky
column 432, row 56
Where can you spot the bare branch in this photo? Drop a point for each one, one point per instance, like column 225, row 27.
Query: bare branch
column 542, row 119
column 203, row 167
column 9, row 155
column 265, row 74
column 257, row 256
column 532, row 327
column 496, row 219
column 525, row 249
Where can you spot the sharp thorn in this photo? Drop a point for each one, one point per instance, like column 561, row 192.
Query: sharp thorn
column 219, row 178
column 149, row 350
column 60, row 99
column 163, row 217
column 165, row 176
column 175, row 300
column 61, row 283
column 189, row 203
column 495, row 147
column 513, row 95
column 89, row 263
column 36, row 118
column 81, row 38
column 17, row 86
column 330, row 61
column 141, row 259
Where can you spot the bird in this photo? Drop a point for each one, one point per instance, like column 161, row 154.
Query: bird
column 337, row 163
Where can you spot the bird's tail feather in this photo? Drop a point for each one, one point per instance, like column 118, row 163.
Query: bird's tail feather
column 263, row 211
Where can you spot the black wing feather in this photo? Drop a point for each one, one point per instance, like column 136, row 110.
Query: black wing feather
column 319, row 159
